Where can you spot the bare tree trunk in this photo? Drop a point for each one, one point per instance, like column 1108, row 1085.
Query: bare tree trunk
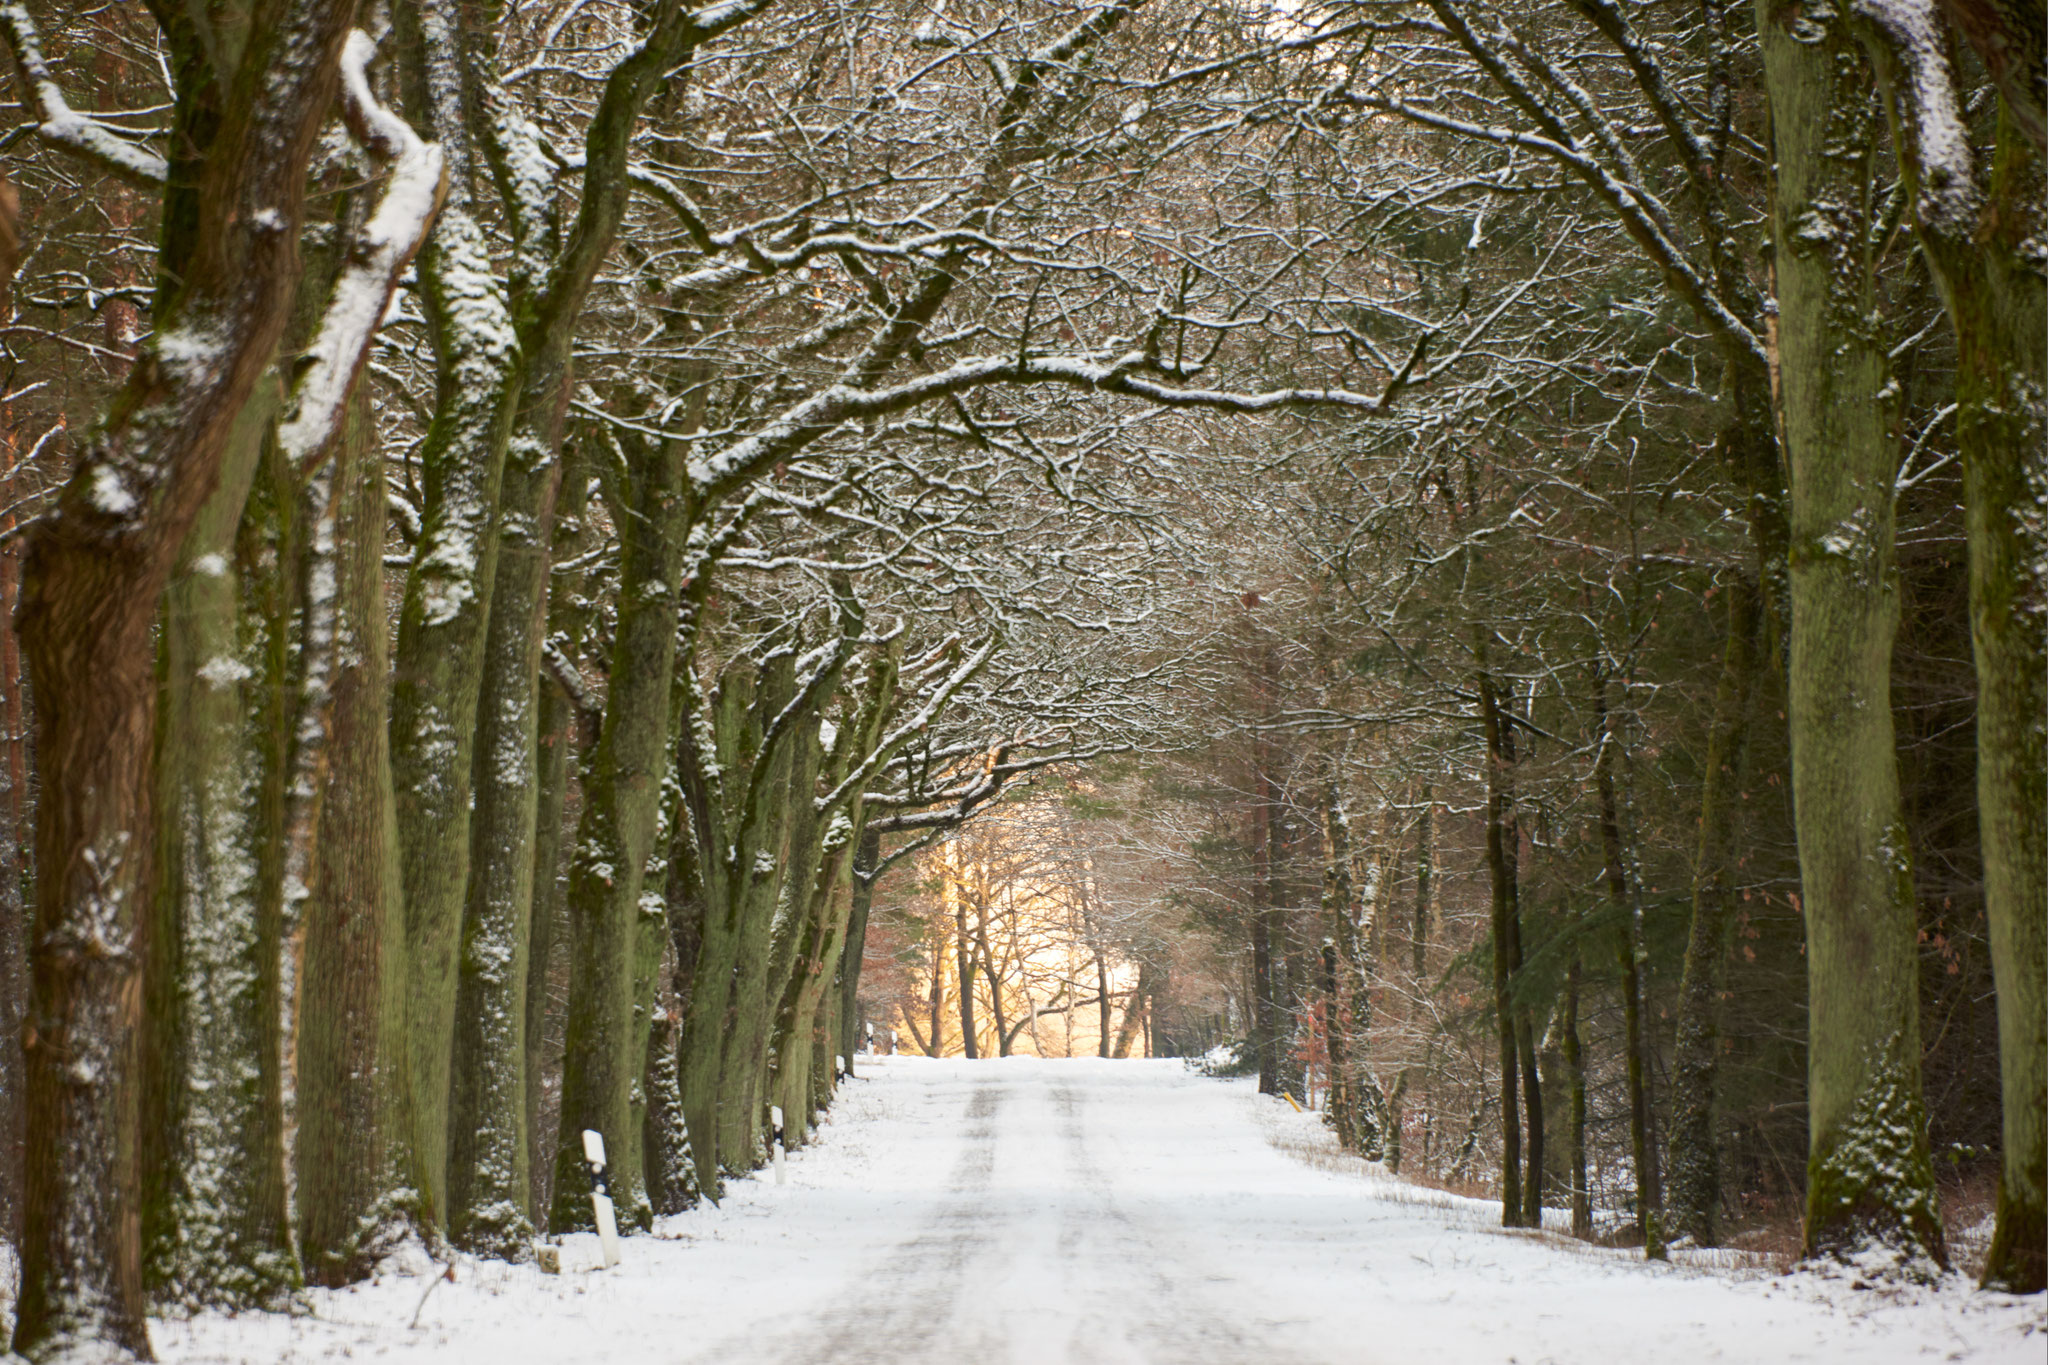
column 14, row 808
column 1649, row 1194
column 1425, row 873
column 1501, row 871
column 1694, row 1197
column 489, row 1181
column 437, row 672
column 851, row 956
column 568, row 725
column 671, row 1170
column 964, row 951
column 1102, row 1002
column 214, row 1219
column 1575, row 1081
column 1139, row 1007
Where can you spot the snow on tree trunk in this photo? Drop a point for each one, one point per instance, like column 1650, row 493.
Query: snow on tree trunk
column 354, row 1099
column 833, row 853
column 671, row 1172
column 1981, row 235
column 621, row 791
column 215, row 1214
column 96, row 568
column 437, row 673
column 489, row 1180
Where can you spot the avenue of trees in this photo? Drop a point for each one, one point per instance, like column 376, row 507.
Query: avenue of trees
column 1514, row 527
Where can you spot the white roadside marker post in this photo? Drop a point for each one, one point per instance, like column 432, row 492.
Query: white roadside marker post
column 601, row 1197
column 775, row 1118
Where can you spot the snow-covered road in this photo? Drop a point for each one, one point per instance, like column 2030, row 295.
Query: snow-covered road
column 1041, row 1212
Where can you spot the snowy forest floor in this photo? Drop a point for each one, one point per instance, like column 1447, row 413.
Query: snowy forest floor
column 1086, row 1211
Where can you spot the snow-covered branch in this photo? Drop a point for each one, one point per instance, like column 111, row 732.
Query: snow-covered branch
column 377, row 255
column 61, row 125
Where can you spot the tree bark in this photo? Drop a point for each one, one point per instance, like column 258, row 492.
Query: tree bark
column 14, row 794
column 671, row 1172
column 1425, row 873
column 852, row 956
column 490, row 1181
column 964, row 951
column 97, row 565
column 621, row 791
column 1976, row 231
column 353, row 1093
column 568, row 724
column 790, row 775
column 1575, row 1081
column 738, row 892
column 1693, row 1198
column 1628, row 954
column 1102, row 1004
column 1501, row 873
column 1869, row 1178
column 2001, row 425
column 214, row 1197
column 443, row 621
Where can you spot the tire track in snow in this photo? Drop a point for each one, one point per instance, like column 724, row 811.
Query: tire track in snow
column 1159, row 1296
column 907, row 1302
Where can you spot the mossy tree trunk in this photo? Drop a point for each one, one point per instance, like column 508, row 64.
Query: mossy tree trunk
column 665, row 1140
column 798, row 885
column 99, row 559
column 489, row 1180
column 770, row 942
column 715, row 758
column 1981, row 232
column 443, row 626
column 490, row 1148
column 1869, row 1179
column 551, row 276
column 752, row 888
column 569, row 718
column 651, row 945
column 830, row 887
column 354, row 1098
column 621, row 794
column 862, row 897
column 215, row 1208
column 2003, row 327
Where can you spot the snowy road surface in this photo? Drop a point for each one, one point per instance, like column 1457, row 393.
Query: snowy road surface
column 1045, row 1212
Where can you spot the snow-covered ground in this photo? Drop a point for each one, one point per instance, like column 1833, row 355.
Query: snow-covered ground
column 1043, row 1212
